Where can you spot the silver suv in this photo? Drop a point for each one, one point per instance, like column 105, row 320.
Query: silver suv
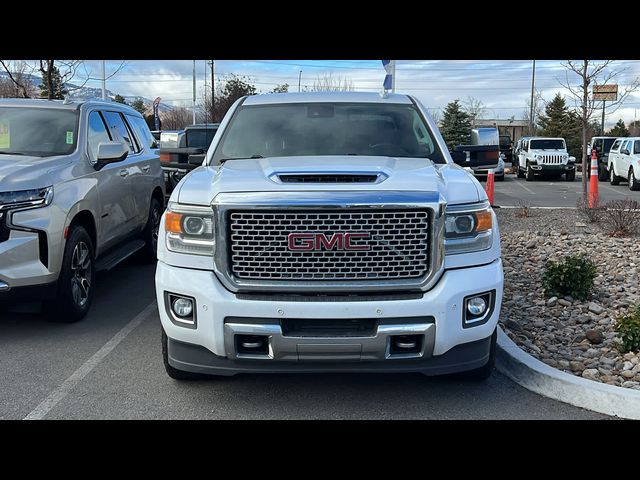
column 81, row 189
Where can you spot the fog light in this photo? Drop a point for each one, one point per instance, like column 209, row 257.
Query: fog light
column 182, row 307
column 476, row 306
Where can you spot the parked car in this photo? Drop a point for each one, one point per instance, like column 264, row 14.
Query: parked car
column 602, row 146
column 517, row 148
column 624, row 162
column 545, row 156
column 488, row 136
column 183, row 150
column 81, row 189
column 329, row 231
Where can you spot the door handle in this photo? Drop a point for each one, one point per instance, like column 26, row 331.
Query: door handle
column 124, row 172
column 146, row 168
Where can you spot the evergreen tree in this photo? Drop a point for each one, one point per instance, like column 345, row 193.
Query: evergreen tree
column 138, row 105
column 58, row 91
column 455, row 125
column 619, row 130
column 559, row 121
column 119, row 99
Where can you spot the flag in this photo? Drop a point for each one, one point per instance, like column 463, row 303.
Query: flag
column 389, row 66
column 156, row 118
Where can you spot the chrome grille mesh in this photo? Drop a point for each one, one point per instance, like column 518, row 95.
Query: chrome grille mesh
column 398, row 243
column 553, row 159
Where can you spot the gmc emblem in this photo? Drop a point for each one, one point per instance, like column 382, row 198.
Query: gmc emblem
column 320, row 241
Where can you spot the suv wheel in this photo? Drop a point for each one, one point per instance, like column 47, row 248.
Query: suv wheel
column 529, row 173
column 76, row 281
column 633, row 181
column 150, row 233
column 174, row 372
column 613, row 178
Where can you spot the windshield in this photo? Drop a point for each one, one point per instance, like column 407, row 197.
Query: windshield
column 327, row 129
column 607, row 144
column 550, row 144
column 40, row 132
column 505, row 141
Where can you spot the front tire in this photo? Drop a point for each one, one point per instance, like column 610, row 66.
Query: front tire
column 150, row 233
column 529, row 174
column 613, row 178
column 76, row 281
column 634, row 184
column 174, row 372
column 484, row 372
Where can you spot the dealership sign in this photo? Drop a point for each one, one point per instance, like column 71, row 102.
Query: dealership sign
column 607, row 93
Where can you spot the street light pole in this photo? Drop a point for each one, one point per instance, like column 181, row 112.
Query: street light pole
column 194, row 91
column 299, row 79
column 213, row 94
column 104, row 82
column 533, row 83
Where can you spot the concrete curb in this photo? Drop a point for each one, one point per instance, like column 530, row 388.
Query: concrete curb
column 539, row 377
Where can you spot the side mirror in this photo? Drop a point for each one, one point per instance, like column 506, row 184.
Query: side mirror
column 459, row 157
column 110, row 152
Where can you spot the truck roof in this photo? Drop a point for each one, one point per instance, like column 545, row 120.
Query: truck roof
column 329, row 97
column 71, row 105
column 545, row 138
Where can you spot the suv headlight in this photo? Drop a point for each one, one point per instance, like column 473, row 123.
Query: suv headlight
column 38, row 197
column 189, row 229
column 468, row 228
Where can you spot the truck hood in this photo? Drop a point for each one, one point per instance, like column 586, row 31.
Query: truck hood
column 261, row 175
column 19, row 172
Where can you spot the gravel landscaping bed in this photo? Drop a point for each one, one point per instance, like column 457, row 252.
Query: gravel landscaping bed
column 570, row 335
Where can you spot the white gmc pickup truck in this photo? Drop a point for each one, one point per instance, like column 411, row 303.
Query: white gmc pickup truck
column 328, row 232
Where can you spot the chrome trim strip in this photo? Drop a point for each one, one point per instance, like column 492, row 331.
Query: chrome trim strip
column 223, row 203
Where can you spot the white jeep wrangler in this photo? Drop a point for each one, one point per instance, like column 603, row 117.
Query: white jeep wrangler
column 548, row 156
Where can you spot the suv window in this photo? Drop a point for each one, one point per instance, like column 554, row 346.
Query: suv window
column 116, row 123
column 142, row 129
column 597, row 144
column 96, row 133
column 636, row 147
column 625, row 146
column 616, row 145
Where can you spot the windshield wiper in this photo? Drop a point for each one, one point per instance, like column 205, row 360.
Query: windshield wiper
column 222, row 160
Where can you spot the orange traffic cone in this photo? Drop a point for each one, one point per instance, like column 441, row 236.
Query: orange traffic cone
column 594, row 198
column 490, row 185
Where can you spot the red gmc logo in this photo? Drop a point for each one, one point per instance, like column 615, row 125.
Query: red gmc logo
column 320, row 241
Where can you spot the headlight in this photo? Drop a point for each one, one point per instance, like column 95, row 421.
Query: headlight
column 37, row 197
column 468, row 228
column 189, row 229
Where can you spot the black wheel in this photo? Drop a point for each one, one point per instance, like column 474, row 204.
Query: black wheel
column 150, row 233
column 529, row 173
column 76, row 281
column 634, row 184
column 484, row 372
column 613, row 178
column 174, row 372
column 603, row 175
column 570, row 176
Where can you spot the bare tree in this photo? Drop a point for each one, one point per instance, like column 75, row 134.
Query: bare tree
column 538, row 110
column 329, row 83
column 435, row 114
column 176, row 118
column 18, row 83
column 475, row 108
column 591, row 73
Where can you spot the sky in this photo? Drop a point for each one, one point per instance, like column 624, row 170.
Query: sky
column 503, row 86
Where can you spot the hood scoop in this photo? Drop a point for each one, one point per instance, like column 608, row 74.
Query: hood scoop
column 329, row 177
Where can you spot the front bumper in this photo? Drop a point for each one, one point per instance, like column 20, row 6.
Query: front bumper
column 543, row 167
column 436, row 314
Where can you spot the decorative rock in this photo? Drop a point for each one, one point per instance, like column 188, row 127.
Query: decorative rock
column 531, row 244
column 590, row 374
column 552, row 301
column 594, row 336
column 595, row 308
column 627, row 366
column 579, row 367
column 564, row 302
column 628, row 374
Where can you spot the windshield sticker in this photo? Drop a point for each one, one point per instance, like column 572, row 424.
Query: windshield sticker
column 5, row 141
column 69, row 138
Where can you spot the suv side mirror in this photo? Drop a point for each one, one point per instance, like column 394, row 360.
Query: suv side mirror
column 110, row 152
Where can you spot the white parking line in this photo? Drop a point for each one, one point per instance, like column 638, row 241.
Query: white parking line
column 69, row 384
column 526, row 188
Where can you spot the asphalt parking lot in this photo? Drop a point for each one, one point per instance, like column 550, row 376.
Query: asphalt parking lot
column 109, row 366
column 541, row 192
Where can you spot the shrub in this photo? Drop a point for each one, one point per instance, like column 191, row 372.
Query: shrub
column 621, row 218
column 572, row 276
column 590, row 215
column 524, row 210
column 628, row 327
